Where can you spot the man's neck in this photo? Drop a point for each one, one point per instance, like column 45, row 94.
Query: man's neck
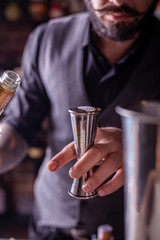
column 112, row 50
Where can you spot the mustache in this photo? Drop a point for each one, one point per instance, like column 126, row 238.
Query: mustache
column 124, row 9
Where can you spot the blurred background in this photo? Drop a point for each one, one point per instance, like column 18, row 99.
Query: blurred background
column 17, row 19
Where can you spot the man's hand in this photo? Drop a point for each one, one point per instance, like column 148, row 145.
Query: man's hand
column 107, row 152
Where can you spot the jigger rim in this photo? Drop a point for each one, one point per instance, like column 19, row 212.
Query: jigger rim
column 83, row 196
column 84, row 110
column 147, row 111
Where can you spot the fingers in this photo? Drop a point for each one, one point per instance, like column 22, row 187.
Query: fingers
column 92, row 157
column 110, row 150
column 107, row 168
column 113, row 185
column 58, row 161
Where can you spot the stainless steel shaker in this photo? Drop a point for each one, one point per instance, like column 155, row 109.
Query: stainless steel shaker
column 141, row 125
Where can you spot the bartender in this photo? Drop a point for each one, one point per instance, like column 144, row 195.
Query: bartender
column 106, row 56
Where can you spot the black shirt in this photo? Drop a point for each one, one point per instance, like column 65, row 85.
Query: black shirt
column 103, row 81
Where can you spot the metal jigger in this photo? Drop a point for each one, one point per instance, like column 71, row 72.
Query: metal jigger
column 84, row 126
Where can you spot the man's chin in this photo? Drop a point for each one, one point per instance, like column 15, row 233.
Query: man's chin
column 118, row 32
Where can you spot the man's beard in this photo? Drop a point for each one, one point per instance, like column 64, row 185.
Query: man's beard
column 119, row 31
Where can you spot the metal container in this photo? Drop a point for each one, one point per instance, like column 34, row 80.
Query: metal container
column 141, row 125
column 84, row 121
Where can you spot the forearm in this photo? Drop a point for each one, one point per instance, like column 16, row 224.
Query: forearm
column 13, row 148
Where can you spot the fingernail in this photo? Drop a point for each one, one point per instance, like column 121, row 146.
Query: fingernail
column 52, row 166
column 86, row 187
column 72, row 173
column 101, row 193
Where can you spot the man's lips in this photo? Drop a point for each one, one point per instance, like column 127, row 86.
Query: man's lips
column 117, row 17
column 122, row 10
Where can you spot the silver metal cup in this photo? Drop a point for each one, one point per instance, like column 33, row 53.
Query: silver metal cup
column 84, row 121
column 141, row 124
